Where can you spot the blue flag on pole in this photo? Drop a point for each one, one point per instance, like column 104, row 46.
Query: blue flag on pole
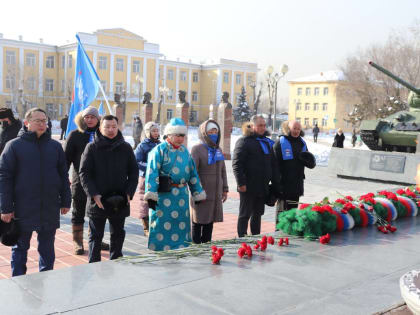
column 86, row 85
column 101, row 109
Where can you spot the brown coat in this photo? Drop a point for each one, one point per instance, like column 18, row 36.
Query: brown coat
column 213, row 179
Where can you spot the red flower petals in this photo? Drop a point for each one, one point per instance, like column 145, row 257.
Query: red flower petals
column 325, row 239
column 245, row 250
column 270, row 240
column 350, row 198
column 216, row 254
column 241, row 252
column 281, row 241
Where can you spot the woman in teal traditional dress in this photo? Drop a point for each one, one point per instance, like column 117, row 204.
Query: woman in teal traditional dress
column 169, row 212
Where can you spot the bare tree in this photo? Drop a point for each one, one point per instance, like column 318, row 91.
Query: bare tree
column 375, row 94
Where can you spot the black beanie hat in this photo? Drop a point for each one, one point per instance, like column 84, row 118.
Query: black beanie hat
column 6, row 113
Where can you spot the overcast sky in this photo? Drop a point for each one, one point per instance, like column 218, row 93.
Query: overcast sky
column 308, row 36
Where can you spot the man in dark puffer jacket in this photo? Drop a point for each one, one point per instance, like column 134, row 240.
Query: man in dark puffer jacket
column 34, row 186
column 10, row 127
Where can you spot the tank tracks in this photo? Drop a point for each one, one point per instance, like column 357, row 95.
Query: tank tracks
column 371, row 139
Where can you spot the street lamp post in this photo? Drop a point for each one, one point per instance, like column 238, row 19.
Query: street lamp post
column 253, row 85
column 140, row 80
column 272, row 89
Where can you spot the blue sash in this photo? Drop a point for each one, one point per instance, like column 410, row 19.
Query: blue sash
column 214, row 155
column 266, row 144
column 286, row 148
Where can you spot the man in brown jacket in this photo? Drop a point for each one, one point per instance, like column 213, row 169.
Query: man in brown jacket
column 211, row 169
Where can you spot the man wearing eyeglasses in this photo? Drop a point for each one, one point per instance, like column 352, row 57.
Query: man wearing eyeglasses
column 34, row 189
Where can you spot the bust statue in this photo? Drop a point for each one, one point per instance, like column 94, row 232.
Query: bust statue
column 225, row 97
column 146, row 98
column 181, row 96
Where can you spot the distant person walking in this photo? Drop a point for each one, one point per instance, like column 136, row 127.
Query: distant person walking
column 339, row 139
column 137, row 130
column 35, row 188
column 315, row 132
column 63, row 126
column 10, row 127
column 354, row 138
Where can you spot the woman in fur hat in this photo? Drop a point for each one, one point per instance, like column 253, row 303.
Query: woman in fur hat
column 151, row 139
column 211, row 169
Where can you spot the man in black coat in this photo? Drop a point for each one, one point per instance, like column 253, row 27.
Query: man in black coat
column 287, row 152
column 10, row 127
column 109, row 176
column 63, row 126
column 87, row 122
column 254, row 168
column 34, row 187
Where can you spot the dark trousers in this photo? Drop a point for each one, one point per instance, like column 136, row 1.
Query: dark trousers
column 79, row 209
column 250, row 207
column 46, row 251
column 315, row 137
column 201, row 233
column 291, row 202
column 63, row 134
column 116, row 229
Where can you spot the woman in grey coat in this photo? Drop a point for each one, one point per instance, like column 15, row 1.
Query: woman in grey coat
column 211, row 169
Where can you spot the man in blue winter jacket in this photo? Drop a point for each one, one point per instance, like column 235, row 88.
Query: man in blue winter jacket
column 34, row 189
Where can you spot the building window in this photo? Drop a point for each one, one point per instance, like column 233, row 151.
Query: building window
column 324, row 122
column 120, row 64
column 118, row 87
column 325, row 91
column 136, row 66
column 70, row 63
column 10, row 82
column 238, row 79
column 225, row 77
column 193, row 116
column 316, row 106
column 169, row 114
column 51, row 111
column 102, row 62
column 299, row 91
column 50, row 62
column 170, row 94
column 314, row 121
column 30, row 84
column 298, row 106
column 195, row 76
column 306, row 122
column 308, row 91
column 10, row 57
column 63, row 86
column 316, row 91
column 63, row 62
column 49, row 85
column 170, row 74
column 325, row 107
column 183, row 76
column 103, row 83
column 298, row 119
column 195, row 96
column 307, row 106
column 30, row 60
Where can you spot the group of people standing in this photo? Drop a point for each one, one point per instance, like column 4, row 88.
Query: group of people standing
column 181, row 193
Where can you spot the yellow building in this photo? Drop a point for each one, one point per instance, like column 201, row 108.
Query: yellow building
column 320, row 99
column 37, row 74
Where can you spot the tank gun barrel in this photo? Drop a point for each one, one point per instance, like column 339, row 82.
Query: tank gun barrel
column 393, row 76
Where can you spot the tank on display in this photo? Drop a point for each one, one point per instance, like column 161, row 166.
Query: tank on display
column 397, row 132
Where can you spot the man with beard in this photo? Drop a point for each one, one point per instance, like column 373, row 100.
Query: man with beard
column 87, row 122
column 10, row 127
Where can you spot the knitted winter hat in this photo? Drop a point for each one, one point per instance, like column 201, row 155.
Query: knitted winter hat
column 90, row 110
column 210, row 126
column 176, row 126
column 6, row 113
column 148, row 128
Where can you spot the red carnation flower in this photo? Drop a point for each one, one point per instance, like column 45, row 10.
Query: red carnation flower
column 221, row 252
column 303, row 206
column 264, row 239
column 342, row 201
column 401, row 192
column 256, row 246
column 270, row 240
column 244, row 245
column 215, row 257
column 349, row 198
column 241, row 252
column 214, row 248
column 325, row 239
column 249, row 252
column 344, row 211
column 286, row 241
column 280, row 243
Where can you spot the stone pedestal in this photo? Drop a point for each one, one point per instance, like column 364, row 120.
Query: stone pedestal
column 224, row 119
column 182, row 111
column 213, row 112
column 418, row 145
column 146, row 113
column 119, row 113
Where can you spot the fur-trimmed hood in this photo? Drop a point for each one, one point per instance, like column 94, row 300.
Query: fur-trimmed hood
column 80, row 123
column 286, row 130
column 203, row 136
column 248, row 131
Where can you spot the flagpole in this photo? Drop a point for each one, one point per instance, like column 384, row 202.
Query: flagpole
column 106, row 100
